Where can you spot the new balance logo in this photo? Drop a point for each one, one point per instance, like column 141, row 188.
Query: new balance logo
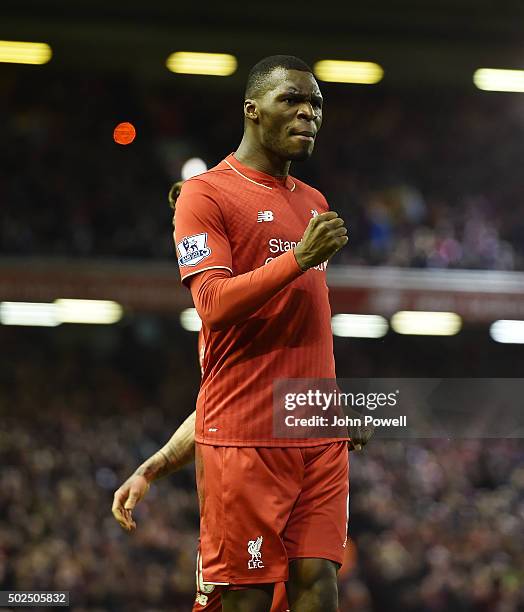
column 265, row 215
column 201, row 599
column 253, row 548
column 314, row 212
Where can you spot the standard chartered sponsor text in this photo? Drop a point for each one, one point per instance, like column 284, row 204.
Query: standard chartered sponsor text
column 278, row 246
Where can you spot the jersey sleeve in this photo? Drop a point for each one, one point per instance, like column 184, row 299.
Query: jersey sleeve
column 200, row 235
column 223, row 301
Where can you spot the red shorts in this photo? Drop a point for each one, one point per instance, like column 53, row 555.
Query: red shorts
column 212, row 602
column 262, row 507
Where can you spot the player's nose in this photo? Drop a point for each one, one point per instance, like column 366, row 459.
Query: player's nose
column 305, row 111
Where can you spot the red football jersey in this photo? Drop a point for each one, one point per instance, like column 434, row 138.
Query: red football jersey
column 237, row 218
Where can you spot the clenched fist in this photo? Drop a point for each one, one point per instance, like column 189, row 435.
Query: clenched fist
column 324, row 236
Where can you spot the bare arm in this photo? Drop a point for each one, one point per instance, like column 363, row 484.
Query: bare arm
column 177, row 452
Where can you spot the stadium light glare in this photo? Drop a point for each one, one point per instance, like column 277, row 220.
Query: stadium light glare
column 190, row 320
column 492, row 79
column 38, row 314
column 100, row 312
column 17, row 52
column 338, row 71
column 359, row 326
column 426, row 323
column 213, row 64
column 51, row 314
column 192, row 167
column 507, row 331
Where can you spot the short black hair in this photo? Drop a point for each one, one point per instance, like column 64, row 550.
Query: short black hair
column 258, row 75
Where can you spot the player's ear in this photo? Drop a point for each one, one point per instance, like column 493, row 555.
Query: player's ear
column 251, row 110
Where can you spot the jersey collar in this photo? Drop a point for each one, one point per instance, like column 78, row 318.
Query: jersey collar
column 266, row 181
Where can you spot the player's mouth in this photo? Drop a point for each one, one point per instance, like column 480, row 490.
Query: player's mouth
column 307, row 135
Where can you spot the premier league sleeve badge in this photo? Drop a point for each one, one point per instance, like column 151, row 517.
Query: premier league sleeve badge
column 193, row 249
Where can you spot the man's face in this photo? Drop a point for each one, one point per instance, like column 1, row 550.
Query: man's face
column 290, row 114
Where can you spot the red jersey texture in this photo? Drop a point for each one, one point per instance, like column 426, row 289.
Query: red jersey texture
column 223, row 301
column 234, row 220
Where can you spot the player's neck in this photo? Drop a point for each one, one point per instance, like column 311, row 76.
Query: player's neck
column 258, row 158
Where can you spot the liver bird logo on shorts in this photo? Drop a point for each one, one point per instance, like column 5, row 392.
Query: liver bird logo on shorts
column 253, row 548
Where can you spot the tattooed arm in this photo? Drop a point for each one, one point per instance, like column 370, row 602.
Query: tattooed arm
column 176, row 453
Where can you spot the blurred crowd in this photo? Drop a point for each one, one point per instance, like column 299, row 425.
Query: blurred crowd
column 435, row 525
column 438, row 525
column 423, row 180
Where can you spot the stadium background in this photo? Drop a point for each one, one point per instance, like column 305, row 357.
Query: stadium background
column 426, row 170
